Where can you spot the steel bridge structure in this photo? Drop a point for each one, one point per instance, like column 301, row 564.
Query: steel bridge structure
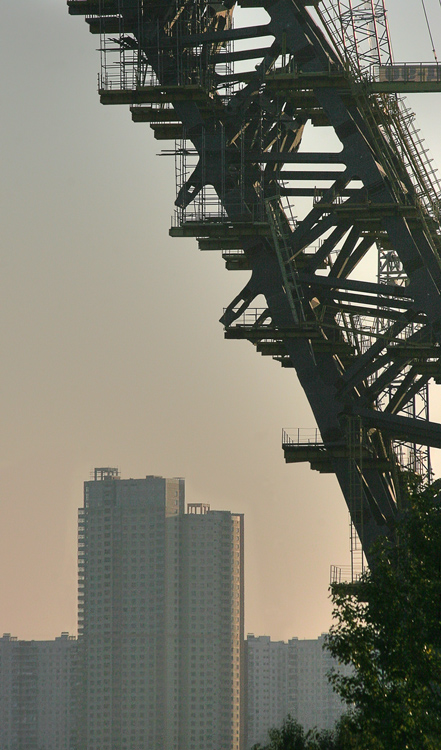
column 342, row 244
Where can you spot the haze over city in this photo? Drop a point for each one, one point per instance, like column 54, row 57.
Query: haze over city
column 112, row 353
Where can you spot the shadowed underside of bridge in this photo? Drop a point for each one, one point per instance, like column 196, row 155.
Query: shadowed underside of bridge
column 238, row 101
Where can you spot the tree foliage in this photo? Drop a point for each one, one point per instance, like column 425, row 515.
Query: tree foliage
column 292, row 736
column 388, row 628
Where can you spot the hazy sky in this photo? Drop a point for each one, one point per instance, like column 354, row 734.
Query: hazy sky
column 112, row 353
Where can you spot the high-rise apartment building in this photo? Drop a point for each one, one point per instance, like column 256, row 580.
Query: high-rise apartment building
column 205, row 617
column 121, row 608
column 37, row 693
column 160, row 618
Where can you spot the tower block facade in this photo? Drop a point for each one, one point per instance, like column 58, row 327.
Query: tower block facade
column 160, row 618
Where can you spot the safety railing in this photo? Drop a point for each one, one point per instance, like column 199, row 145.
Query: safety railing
column 252, row 316
column 343, row 574
column 407, row 72
column 301, row 436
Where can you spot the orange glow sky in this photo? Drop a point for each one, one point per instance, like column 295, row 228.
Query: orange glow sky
column 112, row 353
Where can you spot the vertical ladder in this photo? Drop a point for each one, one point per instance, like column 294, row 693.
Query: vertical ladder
column 355, row 439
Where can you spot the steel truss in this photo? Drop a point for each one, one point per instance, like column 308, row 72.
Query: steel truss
column 362, row 31
column 361, row 349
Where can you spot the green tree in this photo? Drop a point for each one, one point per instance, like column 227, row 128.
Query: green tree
column 292, row 736
column 387, row 627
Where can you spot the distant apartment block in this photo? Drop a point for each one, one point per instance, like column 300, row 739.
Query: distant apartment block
column 316, row 703
column 268, row 686
column 205, row 631
column 121, row 621
column 37, row 693
column 289, row 679
column 160, row 618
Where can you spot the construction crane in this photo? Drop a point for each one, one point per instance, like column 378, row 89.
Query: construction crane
column 235, row 102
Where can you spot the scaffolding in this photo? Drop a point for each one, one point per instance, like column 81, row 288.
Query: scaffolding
column 411, row 456
column 135, row 54
column 362, row 37
column 303, row 221
column 360, row 31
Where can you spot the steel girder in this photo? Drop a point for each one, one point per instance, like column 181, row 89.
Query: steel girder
column 244, row 128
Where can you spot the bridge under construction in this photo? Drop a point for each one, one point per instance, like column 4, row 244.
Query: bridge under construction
column 343, row 243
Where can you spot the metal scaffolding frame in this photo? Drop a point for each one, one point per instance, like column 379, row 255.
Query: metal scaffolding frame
column 302, row 222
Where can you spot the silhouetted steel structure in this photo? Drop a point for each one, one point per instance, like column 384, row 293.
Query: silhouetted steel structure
column 306, row 224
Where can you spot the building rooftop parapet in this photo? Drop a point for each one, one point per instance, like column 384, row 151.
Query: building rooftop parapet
column 107, row 472
column 197, row 509
column 112, row 472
